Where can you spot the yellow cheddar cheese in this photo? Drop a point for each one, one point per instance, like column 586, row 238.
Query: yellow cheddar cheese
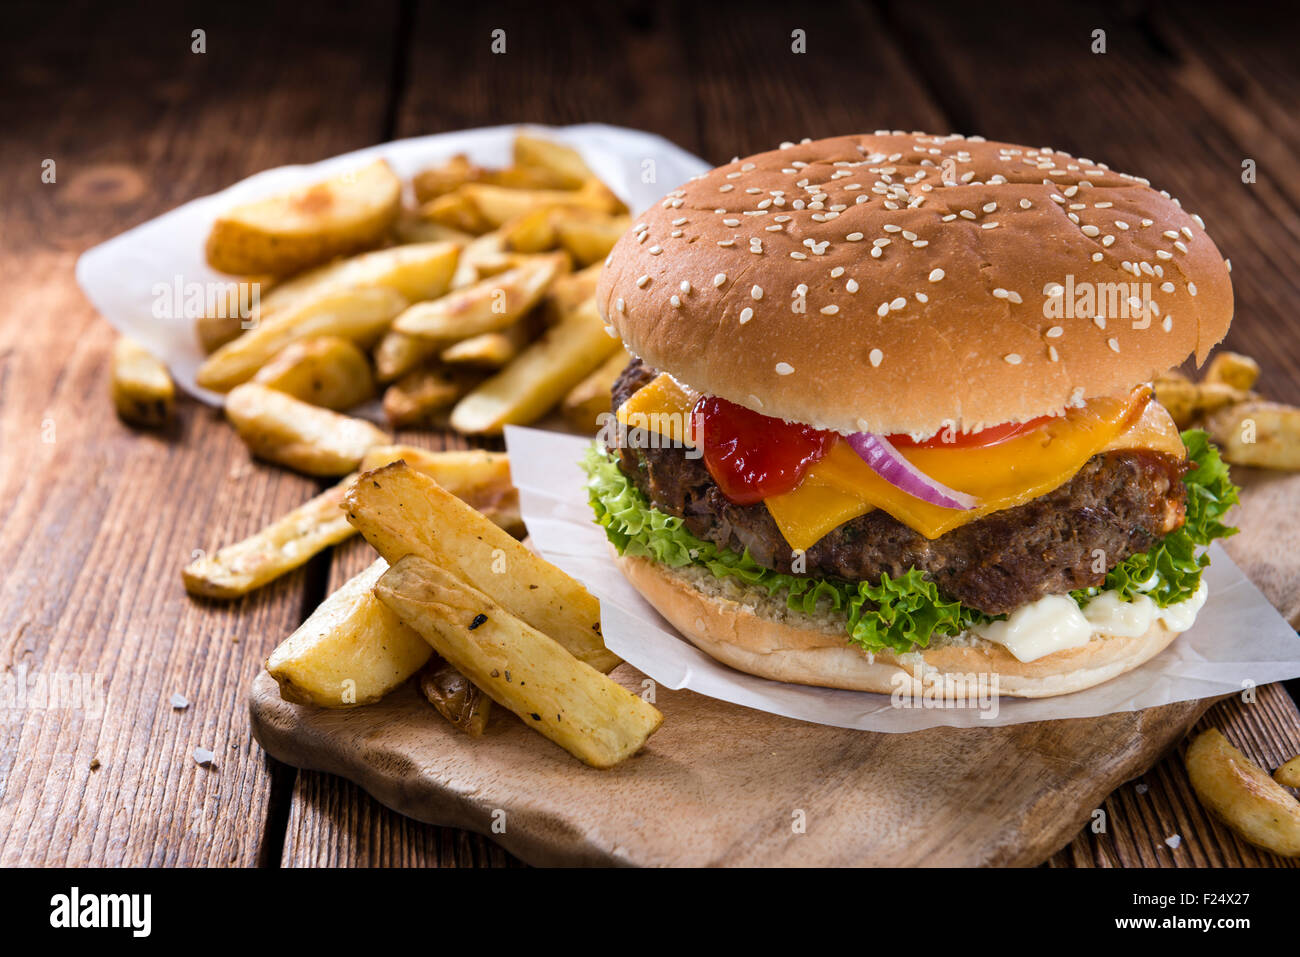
column 842, row 486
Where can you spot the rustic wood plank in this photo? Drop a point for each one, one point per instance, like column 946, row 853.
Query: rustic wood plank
column 95, row 520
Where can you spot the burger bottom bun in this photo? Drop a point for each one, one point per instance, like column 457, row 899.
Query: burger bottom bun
column 750, row 631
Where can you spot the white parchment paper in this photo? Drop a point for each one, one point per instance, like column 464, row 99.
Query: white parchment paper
column 1238, row 638
column 122, row 276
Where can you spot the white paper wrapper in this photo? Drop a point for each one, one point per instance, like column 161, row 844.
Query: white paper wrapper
column 126, row 277
column 1238, row 638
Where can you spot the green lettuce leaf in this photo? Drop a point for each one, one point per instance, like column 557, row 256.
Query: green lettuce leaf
column 1171, row 571
column 908, row 611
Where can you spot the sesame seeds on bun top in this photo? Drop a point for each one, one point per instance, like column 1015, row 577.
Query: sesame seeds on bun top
column 899, row 282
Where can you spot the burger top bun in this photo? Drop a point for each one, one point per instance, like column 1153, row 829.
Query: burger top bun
column 902, row 282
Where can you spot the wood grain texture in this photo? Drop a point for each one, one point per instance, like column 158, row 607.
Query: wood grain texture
column 722, row 785
column 98, row 520
column 95, row 525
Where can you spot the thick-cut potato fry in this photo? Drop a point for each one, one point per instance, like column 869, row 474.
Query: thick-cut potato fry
column 539, row 377
column 143, row 392
column 570, row 291
column 590, row 238
column 490, row 350
column 360, row 315
column 479, row 478
column 420, row 393
column 351, row 651
column 498, row 205
column 1289, row 773
column 456, row 210
column 412, row 228
column 590, row 398
column 459, row 170
column 325, row 370
column 288, row 233
column 402, row 512
column 490, row 246
column 275, row 550
column 1262, row 434
column 457, row 698
column 562, row 161
column 486, row 306
column 1233, row 369
column 279, row 428
column 238, row 307
column 418, row 271
column 591, row 716
column 533, row 232
column 1178, row 395
column 1241, row 794
column 398, row 353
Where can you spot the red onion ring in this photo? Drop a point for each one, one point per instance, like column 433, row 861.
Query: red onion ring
column 886, row 462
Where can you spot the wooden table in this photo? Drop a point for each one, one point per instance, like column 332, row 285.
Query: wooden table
column 96, row 521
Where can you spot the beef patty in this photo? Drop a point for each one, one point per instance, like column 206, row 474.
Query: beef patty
column 1118, row 504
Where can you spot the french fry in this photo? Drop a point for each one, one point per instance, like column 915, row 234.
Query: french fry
column 457, row 698
column 456, row 210
column 533, row 232
column 279, row 428
column 328, row 371
column 351, row 651
column 498, row 205
column 590, row 238
column 539, row 377
column 1233, row 369
column 142, row 389
column 1178, row 395
column 563, row 161
column 486, row 306
column 360, row 315
column 570, row 291
column 418, row 271
column 1241, row 794
column 520, row 668
column 402, row 512
column 288, row 233
column 273, row 551
column 590, row 398
column 411, row 228
column 397, row 354
column 1258, row 433
column 238, row 306
column 489, row 350
column 420, row 393
column 479, row 478
column 445, row 178
column 1289, row 773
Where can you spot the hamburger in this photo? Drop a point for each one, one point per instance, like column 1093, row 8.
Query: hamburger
column 888, row 420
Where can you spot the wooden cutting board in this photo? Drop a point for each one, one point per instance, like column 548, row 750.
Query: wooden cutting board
column 719, row 784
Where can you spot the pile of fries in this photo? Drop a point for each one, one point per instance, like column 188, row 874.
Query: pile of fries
column 1241, row 794
column 487, row 620
column 472, row 308
column 1249, row 430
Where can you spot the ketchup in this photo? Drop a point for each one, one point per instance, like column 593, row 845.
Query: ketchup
column 753, row 456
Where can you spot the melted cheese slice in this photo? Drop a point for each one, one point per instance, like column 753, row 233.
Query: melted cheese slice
column 841, row 486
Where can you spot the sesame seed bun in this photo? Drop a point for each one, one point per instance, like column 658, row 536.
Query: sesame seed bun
column 948, row 322
column 750, row 631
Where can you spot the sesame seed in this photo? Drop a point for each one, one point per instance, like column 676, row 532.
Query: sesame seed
column 746, row 314
column 1025, row 204
column 620, row 305
column 1164, row 254
column 655, row 250
column 726, row 242
column 756, row 292
column 798, row 255
column 1191, row 288
column 1113, row 343
column 1091, row 231
column 731, row 222
column 1012, row 359
column 1167, row 324
column 719, row 279
column 829, row 310
column 837, row 272
column 676, row 301
column 1055, row 332
column 922, row 297
column 784, row 368
column 883, row 310
column 936, row 275
column 1180, row 246
column 1097, row 257
column 1000, row 293
column 1053, row 354
column 992, row 225
column 876, row 357
column 898, row 303
column 851, row 285
column 641, row 282
column 1108, row 240
column 680, row 221
column 1170, row 234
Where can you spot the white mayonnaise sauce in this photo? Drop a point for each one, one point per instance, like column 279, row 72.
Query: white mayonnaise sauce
column 1056, row 623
